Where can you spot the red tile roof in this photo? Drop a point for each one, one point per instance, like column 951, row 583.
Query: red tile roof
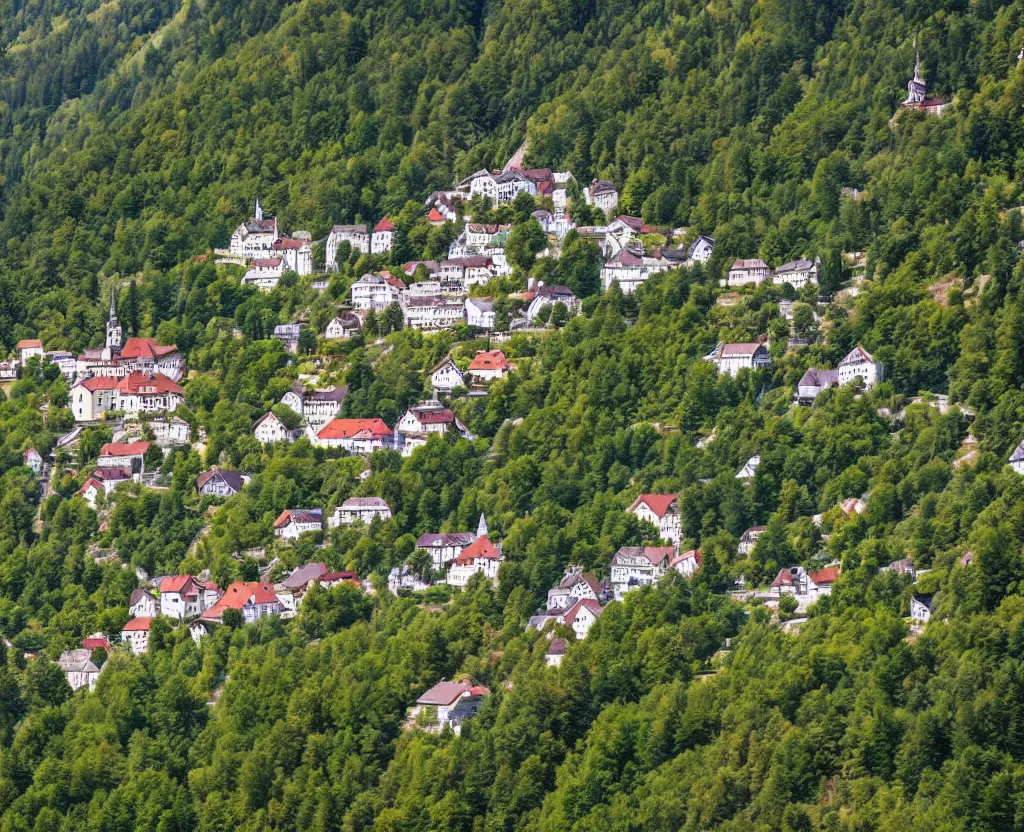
column 479, row 548
column 237, row 596
column 493, row 360
column 145, row 348
column 94, row 383
column 124, row 448
column 175, row 583
column 384, row 225
column 136, row 624
column 658, row 503
column 145, row 383
column 353, row 428
column 574, row 610
column 435, row 216
column 28, row 343
column 828, row 575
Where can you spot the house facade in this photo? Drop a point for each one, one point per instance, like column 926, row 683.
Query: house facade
column 636, row 566
column 444, row 547
column 355, row 235
column 445, row 377
column 359, row 510
column 859, row 363
column 747, row 272
column 291, row 523
column 797, row 273
column 662, row 512
column 136, row 634
column 362, row 436
column 731, row 358
column 480, row 557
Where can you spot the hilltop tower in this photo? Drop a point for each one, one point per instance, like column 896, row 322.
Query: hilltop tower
column 115, row 334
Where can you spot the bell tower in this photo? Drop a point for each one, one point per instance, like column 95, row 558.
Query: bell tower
column 115, row 335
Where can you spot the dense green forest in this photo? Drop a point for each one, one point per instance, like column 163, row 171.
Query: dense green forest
column 134, row 137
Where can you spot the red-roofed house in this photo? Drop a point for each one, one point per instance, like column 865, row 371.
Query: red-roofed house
column 383, row 237
column 28, row 349
column 136, row 634
column 182, row 596
column 148, row 393
column 687, row 563
column 662, row 512
column 91, row 491
column 581, row 616
column 253, row 599
column 128, row 455
column 145, row 355
column 33, row 460
column 296, row 521
column 356, row 435
column 93, row 396
column 795, row 580
column 264, row 273
column 487, row 366
column 435, row 217
column 481, row 556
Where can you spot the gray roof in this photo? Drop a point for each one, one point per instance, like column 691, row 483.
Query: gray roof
column 304, row 574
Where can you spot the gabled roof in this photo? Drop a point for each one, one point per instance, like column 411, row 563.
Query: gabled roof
column 384, row 225
column 175, row 583
column 29, row 343
column 94, row 383
column 569, row 581
column 92, row 482
column 238, row 595
column 364, row 502
column 1018, row 453
column 137, row 625
column 925, row 599
column 285, row 243
column 745, row 349
column 824, row 577
column 693, row 554
column 117, row 474
column 302, row 575
column 354, row 428
column 748, row 264
column 858, row 355
column 819, row 378
column 298, row 515
column 146, row 348
column 479, row 548
column 232, row 479
column 656, row 555
column 137, row 383
column 784, row 578
column 432, row 415
column 557, row 647
column 124, row 449
column 493, row 360
column 658, row 503
column 269, row 415
column 265, row 262
column 435, row 216
column 583, row 604
column 801, row 265
column 137, row 595
column 445, row 693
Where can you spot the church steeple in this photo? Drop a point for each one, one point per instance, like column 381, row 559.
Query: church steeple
column 258, row 210
column 916, row 90
column 115, row 335
column 481, row 529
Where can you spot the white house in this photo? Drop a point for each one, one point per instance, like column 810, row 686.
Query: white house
column 812, row 383
column 430, row 417
column 355, row 435
column 797, row 273
column 264, row 273
column 123, row 455
column 480, row 557
column 701, row 249
column 445, row 377
column 795, row 580
column 433, row 313
column 383, row 237
column 93, row 396
column 169, row 432
column 354, row 235
column 183, row 596
column 28, row 349
column 574, row 586
column 111, row 478
column 79, row 668
column 142, row 604
column 296, row 255
column 581, row 616
column 449, row 704
column 602, row 194
column 635, row 566
column 10, row 370
column 374, row 291
column 921, row 607
column 218, row 483
column 291, row 523
column 662, row 512
column 555, row 652
column 480, row 312
column 743, row 272
column 91, row 491
column 631, row 270
column 489, row 365
column 270, row 429
column 731, row 358
column 359, row 510
column 253, row 599
column 343, row 326
column 136, row 634
column 254, row 237
column 444, row 547
column 317, row 407
column 859, row 364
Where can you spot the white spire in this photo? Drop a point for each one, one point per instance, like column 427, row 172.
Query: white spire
column 258, row 212
column 481, row 529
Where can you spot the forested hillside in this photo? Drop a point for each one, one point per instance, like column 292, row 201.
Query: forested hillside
column 135, row 136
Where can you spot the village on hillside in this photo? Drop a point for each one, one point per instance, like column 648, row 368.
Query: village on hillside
column 136, row 387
